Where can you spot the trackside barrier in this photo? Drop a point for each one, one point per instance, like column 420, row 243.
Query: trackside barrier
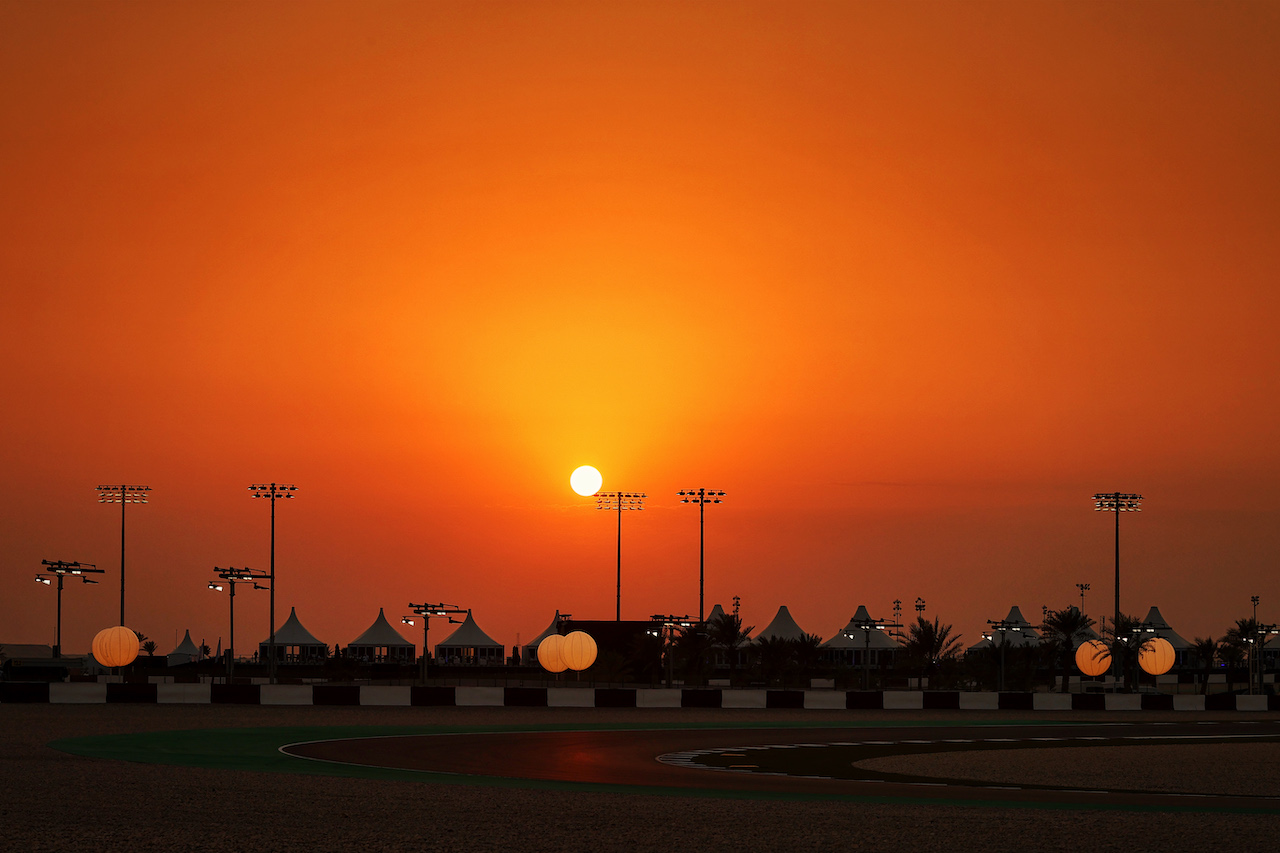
column 169, row 693
column 376, row 694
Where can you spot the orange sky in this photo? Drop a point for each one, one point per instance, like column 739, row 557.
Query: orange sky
column 910, row 281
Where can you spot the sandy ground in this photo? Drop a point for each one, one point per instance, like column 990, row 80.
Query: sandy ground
column 53, row 801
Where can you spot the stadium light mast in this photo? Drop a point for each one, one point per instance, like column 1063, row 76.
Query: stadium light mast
column 1117, row 502
column 122, row 495
column 60, row 569
column 619, row 501
column 230, row 577
column 427, row 612
column 701, row 497
column 272, row 491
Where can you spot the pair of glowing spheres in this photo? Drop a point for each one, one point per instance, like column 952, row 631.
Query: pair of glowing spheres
column 116, row 646
column 1155, row 657
column 575, row 650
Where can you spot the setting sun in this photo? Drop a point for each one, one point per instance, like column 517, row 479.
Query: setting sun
column 586, row 480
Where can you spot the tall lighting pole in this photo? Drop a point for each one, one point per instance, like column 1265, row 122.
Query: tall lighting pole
column 701, row 497
column 272, row 491
column 230, row 577
column 427, row 612
column 59, row 569
column 619, row 501
column 1117, row 502
column 1083, row 587
column 122, row 495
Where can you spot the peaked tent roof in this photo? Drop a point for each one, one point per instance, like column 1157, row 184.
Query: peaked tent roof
column 875, row 637
column 469, row 634
column 292, row 633
column 1027, row 636
column 716, row 611
column 186, row 647
column 380, row 634
column 1155, row 620
column 553, row 628
column 782, row 627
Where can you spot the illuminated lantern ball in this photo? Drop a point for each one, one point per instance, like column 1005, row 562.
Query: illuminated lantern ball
column 116, row 646
column 578, row 650
column 1156, row 656
column 550, row 653
column 1093, row 657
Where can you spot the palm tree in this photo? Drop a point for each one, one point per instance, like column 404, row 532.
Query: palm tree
column 149, row 647
column 774, row 656
column 1062, row 631
column 804, row 654
column 691, row 648
column 930, row 643
column 727, row 633
column 1205, row 649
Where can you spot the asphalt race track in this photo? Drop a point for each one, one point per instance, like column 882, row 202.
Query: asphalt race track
column 809, row 763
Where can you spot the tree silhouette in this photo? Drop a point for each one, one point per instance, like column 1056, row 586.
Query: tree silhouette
column 1062, row 631
column 1206, row 650
column 929, row 644
column 149, row 647
column 728, row 633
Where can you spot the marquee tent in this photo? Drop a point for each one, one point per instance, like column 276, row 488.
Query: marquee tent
column 783, row 627
column 186, row 652
column 381, row 643
column 852, row 642
column 294, row 643
column 469, row 644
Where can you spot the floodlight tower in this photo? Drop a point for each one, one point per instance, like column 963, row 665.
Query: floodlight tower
column 272, row 491
column 122, row 495
column 619, row 501
column 427, row 612
column 1083, row 587
column 701, row 497
column 60, row 569
column 230, row 577
column 1117, row 502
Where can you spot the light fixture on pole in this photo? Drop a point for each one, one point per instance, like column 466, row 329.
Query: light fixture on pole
column 230, row 577
column 427, row 612
column 272, row 492
column 60, row 569
column 122, row 495
column 619, row 501
column 667, row 625
column 1117, row 502
column 1004, row 628
column 701, row 497
column 897, row 614
column 1083, row 587
column 919, row 607
column 866, row 627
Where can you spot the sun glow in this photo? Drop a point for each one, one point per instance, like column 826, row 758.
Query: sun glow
column 586, row 480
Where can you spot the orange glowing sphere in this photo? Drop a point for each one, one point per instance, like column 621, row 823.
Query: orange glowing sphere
column 550, row 653
column 1093, row 657
column 578, row 650
column 116, row 646
column 1156, row 656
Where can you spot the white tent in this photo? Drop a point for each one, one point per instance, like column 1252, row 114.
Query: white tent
column 381, row 643
column 1018, row 633
column 469, row 644
column 783, row 627
column 294, row 643
column 186, row 652
column 529, row 652
column 1181, row 648
column 861, row 636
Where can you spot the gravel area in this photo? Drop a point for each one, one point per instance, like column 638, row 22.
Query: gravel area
column 53, row 801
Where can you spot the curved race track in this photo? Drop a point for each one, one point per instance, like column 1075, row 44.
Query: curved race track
column 815, row 762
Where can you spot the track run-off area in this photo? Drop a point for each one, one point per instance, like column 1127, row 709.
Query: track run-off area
column 856, row 761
